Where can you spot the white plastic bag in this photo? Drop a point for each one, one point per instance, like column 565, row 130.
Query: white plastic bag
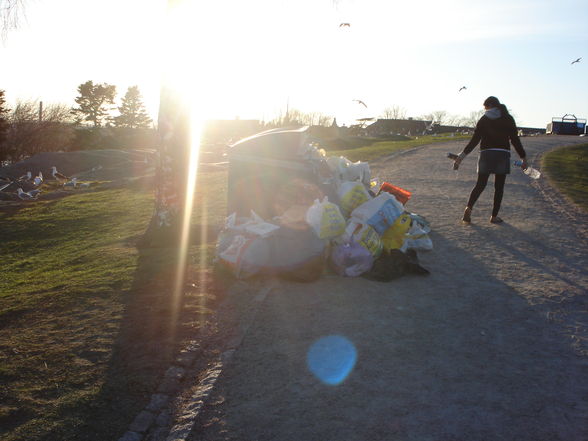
column 423, row 223
column 417, row 239
column 244, row 245
column 345, row 170
column 326, row 219
column 358, row 171
column 245, row 255
column 254, row 225
column 380, row 212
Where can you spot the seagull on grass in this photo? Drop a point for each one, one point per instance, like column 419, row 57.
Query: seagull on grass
column 38, row 179
column 73, row 183
column 57, row 175
column 361, row 102
column 30, row 196
column 462, row 88
column 26, row 177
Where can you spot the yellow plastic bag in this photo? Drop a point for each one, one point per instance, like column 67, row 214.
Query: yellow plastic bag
column 364, row 235
column 393, row 238
column 352, row 195
column 326, row 219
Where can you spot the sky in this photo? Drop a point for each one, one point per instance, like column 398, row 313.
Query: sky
column 251, row 59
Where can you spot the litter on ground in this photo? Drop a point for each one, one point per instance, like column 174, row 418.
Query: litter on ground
column 294, row 212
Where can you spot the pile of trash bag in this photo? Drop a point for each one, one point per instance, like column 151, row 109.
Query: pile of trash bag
column 341, row 219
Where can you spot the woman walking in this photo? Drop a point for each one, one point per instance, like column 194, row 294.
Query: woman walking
column 496, row 129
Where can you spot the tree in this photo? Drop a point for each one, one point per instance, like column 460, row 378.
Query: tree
column 30, row 132
column 132, row 111
column 300, row 118
column 394, row 112
column 93, row 102
column 438, row 116
column 3, row 118
column 472, row 119
column 10, row 11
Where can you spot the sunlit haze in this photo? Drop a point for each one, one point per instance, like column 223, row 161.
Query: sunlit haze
column 250, row 59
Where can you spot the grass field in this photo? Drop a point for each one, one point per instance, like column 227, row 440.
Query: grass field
column 383, row 148
column 567, row 168
column 86, row 318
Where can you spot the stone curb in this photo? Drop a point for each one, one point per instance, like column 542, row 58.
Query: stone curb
column 153, row 422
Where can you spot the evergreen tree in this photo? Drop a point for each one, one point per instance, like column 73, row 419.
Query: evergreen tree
column 3, row 117
column 132, row 111
column 93, row 102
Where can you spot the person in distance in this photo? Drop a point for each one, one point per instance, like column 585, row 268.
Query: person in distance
column 496, row 130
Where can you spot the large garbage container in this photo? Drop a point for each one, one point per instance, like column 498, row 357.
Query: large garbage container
column 260, row 166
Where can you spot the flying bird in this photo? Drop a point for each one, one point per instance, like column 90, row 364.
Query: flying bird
column 38, row 179
column 58, row 175
column 577, row 61
column 361, row 102
column 345, row 25
column 30, row 196
column 26, row 177
column 462, row 88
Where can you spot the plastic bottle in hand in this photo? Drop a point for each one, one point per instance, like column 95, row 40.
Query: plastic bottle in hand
column 453, row 157
column 529, row 171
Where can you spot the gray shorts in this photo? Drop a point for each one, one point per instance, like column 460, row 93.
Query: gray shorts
column 494, row 162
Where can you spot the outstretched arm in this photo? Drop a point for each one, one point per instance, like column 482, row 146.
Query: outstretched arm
column 470, row 145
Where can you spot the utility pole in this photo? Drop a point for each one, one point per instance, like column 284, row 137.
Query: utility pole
column 40, row 111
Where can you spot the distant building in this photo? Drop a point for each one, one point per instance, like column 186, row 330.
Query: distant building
column 385, row 127
column 525, row 131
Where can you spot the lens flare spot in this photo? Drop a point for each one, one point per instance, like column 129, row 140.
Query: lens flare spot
column 331, row 359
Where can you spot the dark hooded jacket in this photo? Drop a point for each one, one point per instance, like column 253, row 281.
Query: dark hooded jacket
column 496, row 131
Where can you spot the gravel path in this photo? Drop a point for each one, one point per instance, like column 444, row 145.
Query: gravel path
column 491, row 346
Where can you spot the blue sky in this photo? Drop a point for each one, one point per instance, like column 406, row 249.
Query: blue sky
column 248, row 59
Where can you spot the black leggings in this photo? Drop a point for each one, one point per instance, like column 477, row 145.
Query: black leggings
column 499, row 181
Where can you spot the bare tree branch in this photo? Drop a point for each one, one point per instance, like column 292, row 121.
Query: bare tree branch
column 11, row 12
column 394, row 112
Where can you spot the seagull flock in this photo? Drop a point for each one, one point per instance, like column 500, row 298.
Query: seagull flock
column 37, row 181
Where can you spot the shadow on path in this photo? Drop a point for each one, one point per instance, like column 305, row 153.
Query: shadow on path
column 458, row 355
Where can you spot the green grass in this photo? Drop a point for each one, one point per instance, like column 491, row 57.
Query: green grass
column 383, row 148
column 567, row 169
column 87, row 320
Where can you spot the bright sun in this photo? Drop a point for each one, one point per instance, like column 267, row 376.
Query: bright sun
column 237, row 58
